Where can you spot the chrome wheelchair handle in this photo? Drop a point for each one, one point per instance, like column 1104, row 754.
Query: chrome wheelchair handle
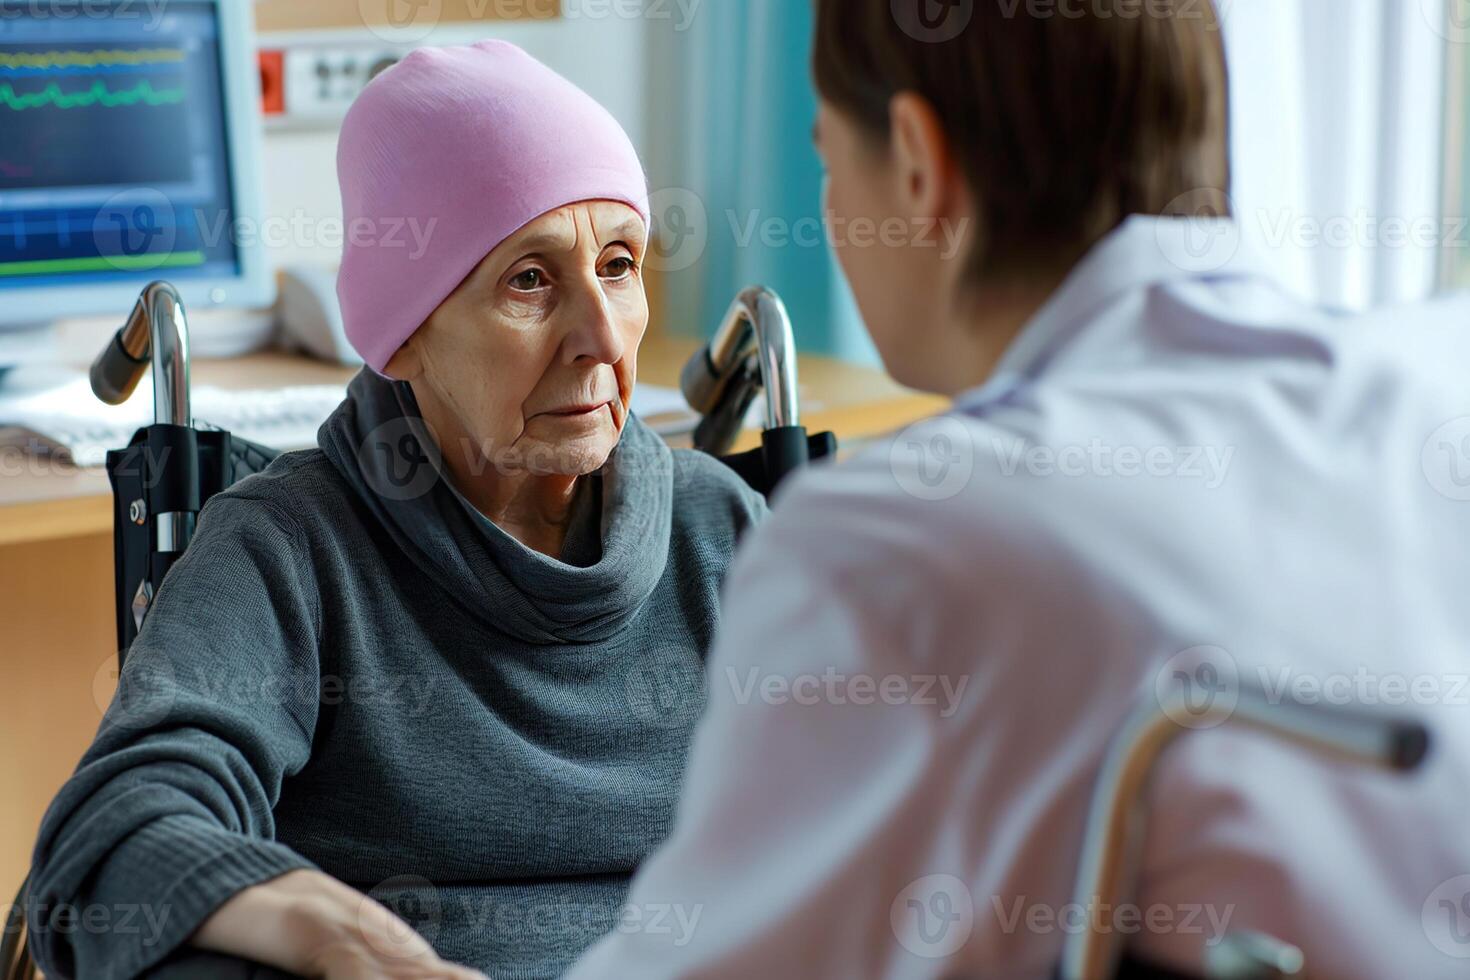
column 156, row 330
column 757, row 327
column 1117, row 819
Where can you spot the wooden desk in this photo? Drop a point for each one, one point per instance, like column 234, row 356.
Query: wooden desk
column 56, row 616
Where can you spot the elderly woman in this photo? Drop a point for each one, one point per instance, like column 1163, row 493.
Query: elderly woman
column 430, row 661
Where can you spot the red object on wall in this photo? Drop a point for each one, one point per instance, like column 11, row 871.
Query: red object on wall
column 273, row 82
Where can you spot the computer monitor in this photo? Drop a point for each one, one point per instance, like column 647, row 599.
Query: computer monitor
column 129, row 149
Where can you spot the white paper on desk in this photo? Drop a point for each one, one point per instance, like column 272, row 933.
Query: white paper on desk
column 27, row 348
column 668, row 414
column 46, row 412
column 67, row 420
column 651, row 400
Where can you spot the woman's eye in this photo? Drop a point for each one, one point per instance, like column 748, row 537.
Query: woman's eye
column 527, row 281
column 619, row 267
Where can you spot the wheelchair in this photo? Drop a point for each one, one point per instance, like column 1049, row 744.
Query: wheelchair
column 170, row 469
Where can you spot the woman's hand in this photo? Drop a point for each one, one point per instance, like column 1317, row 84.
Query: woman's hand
column 310, row 924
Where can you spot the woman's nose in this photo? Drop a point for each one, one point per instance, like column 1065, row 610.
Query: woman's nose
column 594, row 330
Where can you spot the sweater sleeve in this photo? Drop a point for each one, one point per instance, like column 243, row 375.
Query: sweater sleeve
column 169, row 812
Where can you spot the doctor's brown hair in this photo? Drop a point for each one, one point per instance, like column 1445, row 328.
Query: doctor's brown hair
column 1066, row 116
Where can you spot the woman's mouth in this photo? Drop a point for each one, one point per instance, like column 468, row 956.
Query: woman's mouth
column 577, row 411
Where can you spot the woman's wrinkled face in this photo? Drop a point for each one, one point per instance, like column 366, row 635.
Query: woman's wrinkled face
column 529, row 365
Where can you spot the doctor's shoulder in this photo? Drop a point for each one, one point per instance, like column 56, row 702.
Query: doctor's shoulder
column 938, row 498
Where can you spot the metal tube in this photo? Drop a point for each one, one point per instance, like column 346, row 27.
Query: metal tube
column 1117, row 820
column 169, row 342
column 757, row 325
column 157, row 330
column 135, row 334
column 172, row 531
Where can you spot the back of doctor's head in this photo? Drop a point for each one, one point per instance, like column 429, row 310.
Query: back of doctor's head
column 1066, row 116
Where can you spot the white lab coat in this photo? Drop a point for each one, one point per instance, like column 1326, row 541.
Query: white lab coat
column 1172, row 455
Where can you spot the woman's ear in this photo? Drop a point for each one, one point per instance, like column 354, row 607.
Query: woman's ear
column 407, row 363
column 930, row 184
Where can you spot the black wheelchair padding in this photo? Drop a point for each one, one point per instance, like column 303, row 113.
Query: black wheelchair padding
column 1130, row 967
column 781, row 452
column 169, row 469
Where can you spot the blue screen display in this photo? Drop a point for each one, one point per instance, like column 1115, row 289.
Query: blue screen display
column 114, row 157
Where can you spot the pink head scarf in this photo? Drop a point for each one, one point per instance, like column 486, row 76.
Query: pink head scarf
column 446, row 155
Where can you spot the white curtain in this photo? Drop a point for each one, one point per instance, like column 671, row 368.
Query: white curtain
column 1338, row 135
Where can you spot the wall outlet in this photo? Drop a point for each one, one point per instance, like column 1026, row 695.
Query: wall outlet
column 312, row 84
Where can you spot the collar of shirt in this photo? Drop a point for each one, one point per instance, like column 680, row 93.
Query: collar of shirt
column 1142, row 252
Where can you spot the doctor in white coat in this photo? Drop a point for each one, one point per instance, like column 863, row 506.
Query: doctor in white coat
column 1157, row 465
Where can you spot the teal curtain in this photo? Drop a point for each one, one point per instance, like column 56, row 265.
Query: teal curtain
column 737, row 89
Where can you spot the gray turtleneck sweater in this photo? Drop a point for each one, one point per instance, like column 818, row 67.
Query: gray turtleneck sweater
column 352, row 669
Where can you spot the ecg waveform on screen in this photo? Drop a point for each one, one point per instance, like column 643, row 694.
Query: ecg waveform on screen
column 111, row 57
column 99, row 95
column 155, row 72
